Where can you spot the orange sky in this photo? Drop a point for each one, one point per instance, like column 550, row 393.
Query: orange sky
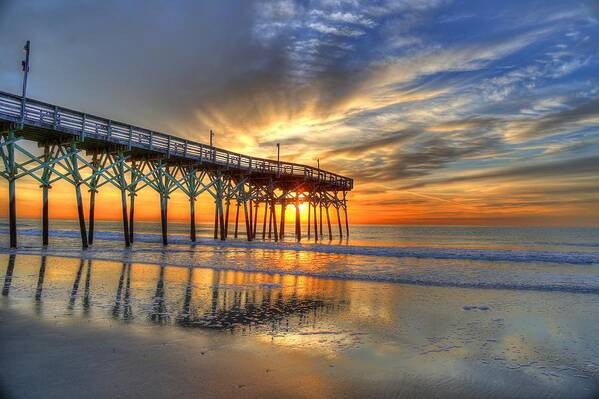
column 364, row 208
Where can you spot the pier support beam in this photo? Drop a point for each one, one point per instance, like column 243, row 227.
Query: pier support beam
column 227, row 208
column 123, row 188
column 215, row 236
column 255, row 224
column 315, row 224
column 125, row 218
column 92, row 206
column 247, row 221
column 131, row 214
column 309, row 216
column 237, row 219
column 12, row 190
column 346, row 220
column 264, row 220
column 298, row 226
column 78, row 183
column 221, row 219
column 251, row 232
column 45, row 224
column 282, row 229
column 164, row 217
column 273, row 215
column 339, row 222
column 81, row 216
column 92, row 200
column 320, row 216
column 329, row 223
column 45, row 187
column 192, row 219
column 132, row 195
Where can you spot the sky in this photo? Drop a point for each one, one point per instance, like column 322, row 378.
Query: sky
column 444, row 112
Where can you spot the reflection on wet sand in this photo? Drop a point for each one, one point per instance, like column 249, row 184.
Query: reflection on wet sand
column 8, row 277
column 40, row 279
column 75, row 288
column 191, row 298
column 239, row 306
column 123, row 301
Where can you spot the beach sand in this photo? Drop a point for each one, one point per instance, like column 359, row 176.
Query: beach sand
column 75, row 328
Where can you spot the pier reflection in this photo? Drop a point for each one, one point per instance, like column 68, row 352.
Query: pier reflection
column 199, row 298
column 122, row 301
column 8, row 276
column 40, row 279
column 242, row 306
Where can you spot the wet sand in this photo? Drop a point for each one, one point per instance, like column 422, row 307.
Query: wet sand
column 71, row 328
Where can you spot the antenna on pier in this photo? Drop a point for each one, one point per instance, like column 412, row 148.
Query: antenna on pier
column 278, row 158
column 25, row 67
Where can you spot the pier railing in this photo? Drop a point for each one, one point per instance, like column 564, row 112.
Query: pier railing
column 75, row 123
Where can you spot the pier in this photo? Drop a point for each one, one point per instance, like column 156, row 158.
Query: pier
column 91, row 152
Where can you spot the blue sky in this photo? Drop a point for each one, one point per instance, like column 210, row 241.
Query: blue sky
column 443, row 111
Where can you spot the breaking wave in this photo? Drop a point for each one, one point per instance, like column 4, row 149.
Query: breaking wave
column 493, row 255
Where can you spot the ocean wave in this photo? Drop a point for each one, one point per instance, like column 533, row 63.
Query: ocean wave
column 491, row 255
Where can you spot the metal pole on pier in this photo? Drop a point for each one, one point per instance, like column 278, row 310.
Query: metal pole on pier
column 25, row 66
column 278, row 159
